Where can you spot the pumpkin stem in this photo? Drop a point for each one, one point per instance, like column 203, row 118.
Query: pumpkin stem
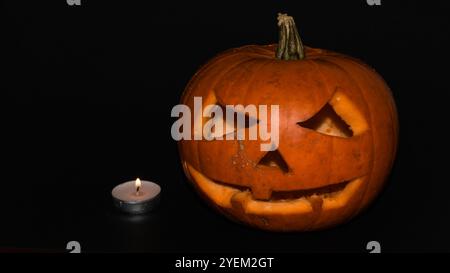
column 290, row 45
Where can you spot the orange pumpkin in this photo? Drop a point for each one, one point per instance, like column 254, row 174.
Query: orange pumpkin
column 338, row 133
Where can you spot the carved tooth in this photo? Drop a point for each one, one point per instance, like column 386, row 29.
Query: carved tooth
column 316, row 202
column 261, row 193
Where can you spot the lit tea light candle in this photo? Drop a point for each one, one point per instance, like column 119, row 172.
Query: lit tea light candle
column 136, row 197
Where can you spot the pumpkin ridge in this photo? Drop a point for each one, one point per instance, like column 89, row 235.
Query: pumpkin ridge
column 324, row 80
column 249, row 82
column 393, row 108
column 213, row 84
column 393, row 120
column 322, row 76
column 369, row 176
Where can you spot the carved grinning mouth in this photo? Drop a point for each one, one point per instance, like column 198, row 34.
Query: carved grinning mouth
column 295, row 202
column 286, row 196
column 322, row 192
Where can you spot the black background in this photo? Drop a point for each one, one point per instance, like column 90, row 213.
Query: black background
column 86, row 95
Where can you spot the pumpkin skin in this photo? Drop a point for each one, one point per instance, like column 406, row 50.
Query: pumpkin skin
column 328, row 178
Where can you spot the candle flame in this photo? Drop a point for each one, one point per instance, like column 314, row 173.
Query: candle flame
column 137, row 183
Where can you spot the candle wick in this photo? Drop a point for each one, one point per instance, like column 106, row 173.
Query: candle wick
column 137, row 190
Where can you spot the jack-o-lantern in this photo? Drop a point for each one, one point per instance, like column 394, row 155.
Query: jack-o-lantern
column 338, row 133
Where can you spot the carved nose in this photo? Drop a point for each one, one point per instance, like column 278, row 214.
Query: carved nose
column 274, row 159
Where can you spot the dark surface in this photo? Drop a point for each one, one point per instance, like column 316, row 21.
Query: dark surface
column 86, row 96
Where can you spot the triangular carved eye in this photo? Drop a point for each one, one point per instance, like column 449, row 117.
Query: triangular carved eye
column 274, row 159
column 328, row 122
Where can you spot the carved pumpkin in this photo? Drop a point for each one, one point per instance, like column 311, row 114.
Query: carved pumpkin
column 337, row 135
